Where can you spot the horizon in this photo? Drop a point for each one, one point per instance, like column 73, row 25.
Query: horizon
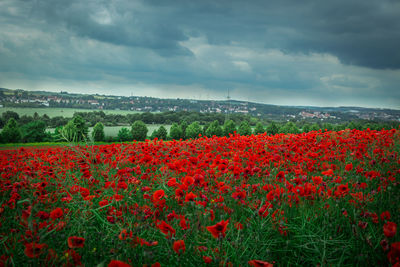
column 218, row 100
column 339, row 54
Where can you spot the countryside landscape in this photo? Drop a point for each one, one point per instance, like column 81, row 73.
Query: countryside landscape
column 212, row 133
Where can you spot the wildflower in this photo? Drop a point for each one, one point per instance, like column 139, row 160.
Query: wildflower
column 207, row 259
column 349, row 167
column 56, row 213
column 179, row 246
column 76, row 242
column 385, row 215
column 116, row 263
column 218, row 229
column 258, row 263
column 33, row 250
column 394, row 253
column 190, row 197
column 166, row 229
column 389, row 229
column 157, row 195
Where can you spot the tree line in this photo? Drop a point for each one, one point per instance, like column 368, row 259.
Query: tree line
column 93, row 117
column 76, row 129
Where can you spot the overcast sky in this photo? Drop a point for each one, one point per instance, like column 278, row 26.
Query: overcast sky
column 287, row 52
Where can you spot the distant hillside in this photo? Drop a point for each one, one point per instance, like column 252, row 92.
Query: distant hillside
column 32, row 99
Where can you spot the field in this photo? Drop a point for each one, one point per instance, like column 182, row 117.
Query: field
column 314, row 199
column 113, row 130
column 64, row 112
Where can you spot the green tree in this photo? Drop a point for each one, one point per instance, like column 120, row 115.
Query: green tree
column 34, row 131
column 183, row 125
column 306, row 128
column 354, row 125
column 272, row 128
column 153, row 134
column 315, row 127
column 124, row 135
column 205, row 127
column 98, row 132
column 327, row 126
column 259, row 129
column 289, row 127
column 193, row 130
column 6, row 116
column 11, row 132
column 229, row 127
column 162, row 133
column 244, row 128
column 339, row 127
column 214, row 129
column 139, row 131
column 57, row 135
column 75, row 130
column 176, row 131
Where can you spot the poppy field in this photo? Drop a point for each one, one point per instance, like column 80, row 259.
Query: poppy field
column 311, row 199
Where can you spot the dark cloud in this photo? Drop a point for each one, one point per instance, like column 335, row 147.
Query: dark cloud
column 364, row 33
column 297, row 48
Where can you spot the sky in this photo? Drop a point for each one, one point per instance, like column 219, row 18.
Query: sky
column 286, row 52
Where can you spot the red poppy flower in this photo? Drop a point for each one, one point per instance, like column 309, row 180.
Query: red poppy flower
column 389, row 229
column 394, row 253
column 258, row 263
column 190, row 197
column 263, row 211
column 385, row 215
column 76, row 242
column 166, row 229
column 207, row 259
column 349, row 167
column 33, row 250
column 362, row 224
column 56, row 213
column 317, row 180
column 218, row 229
column 116, row 263
column 103, row 202
column 384, row 244
column 157, row 195
column 179, row 246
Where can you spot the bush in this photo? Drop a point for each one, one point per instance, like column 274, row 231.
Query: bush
column 306, row 128
column 183, row 125
column 98, row 132
column 11, row 132
column 124, row 135
column 76, row 130
column 290, row 127
column 214, row 129
column 229, row 127
column 315, row 127
column 139, row 131
column 176, row 132
column 161, row 133
column 272, row 128
column 244, row 128
column 193, row 130
column 34, row 131
column 259, row 129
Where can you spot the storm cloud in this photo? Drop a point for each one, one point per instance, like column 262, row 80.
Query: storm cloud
column 279, row 52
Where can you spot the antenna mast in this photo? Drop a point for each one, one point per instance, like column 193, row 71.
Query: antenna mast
column 228, row 98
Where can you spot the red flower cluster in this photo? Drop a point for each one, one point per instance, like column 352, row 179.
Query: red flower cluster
column 211, row 188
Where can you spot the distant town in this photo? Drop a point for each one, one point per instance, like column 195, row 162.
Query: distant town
column 32, row 99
